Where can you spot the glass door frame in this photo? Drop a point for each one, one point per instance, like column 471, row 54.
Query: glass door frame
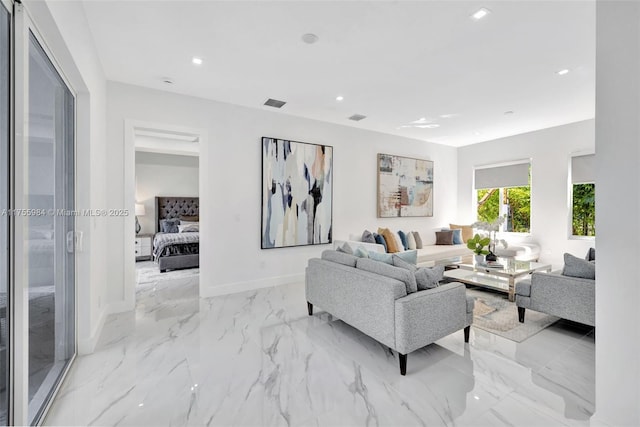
column 23, row 26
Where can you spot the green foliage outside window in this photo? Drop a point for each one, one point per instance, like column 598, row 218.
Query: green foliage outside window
column 584, row 210
column 517, row 198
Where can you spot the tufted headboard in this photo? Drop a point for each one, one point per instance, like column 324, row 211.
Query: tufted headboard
column 172, row 207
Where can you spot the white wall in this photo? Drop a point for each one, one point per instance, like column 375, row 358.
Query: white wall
column 550, row 151
column 64, row 28
column 230, row 173
column 618, row 212
column 163, row 175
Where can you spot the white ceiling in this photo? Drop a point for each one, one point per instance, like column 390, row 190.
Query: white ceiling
column 393, row 61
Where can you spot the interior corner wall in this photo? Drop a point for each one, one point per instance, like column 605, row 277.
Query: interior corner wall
column 230, row 190
column 65, row 31
column 617, row 213
column 550, row 152
column 162, row 179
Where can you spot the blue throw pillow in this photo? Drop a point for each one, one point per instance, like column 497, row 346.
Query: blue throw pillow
column 457, row 235
column 361, row 252
column 377, row 256
column 409, row 256
column 380, row 241
column 403, row 239
column 170, row 225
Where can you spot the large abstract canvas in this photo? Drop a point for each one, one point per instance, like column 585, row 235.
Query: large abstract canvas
column 297, row 191
column 405, row 186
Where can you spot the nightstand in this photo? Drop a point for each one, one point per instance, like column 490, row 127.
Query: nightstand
column 143, row 247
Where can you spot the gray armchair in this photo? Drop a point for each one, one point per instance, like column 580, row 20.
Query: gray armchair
column 567, row 297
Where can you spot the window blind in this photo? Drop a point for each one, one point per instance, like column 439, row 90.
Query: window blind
column 502, row 176
column 583, row 169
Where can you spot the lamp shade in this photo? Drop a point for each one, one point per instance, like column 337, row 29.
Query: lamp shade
column 140, row 209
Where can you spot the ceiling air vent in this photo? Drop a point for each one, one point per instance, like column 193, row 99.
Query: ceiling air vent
column 357, row 117
column 274, row 103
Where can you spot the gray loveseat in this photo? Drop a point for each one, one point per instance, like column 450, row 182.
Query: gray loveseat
column 348, row 288
column 567, row 297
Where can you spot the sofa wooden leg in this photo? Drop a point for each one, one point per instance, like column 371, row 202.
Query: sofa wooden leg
column 403, row 363
column 310, row 308
column 521, row 314
column 466, row 333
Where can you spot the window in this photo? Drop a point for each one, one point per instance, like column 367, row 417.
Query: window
column 505, row 190
column 583, row 196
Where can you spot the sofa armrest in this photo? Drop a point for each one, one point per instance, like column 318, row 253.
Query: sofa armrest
column 426, row 316
column 567, row 297
column 373, row 247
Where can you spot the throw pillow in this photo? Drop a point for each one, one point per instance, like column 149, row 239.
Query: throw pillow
column 169, row 225
column 403, row 239
column 188, row 228
column 399, row 244
column 190, row 218
column 428, row 278
column 345, row 248
column 367, row 237
column 444, row 237
column 377, row 256
column 591, row 254
column 339, row 257
column 416, row 235
column 405, row 276
column 392, row 247
column 467, row 231
column 399, row 262
column 411, row 241
column 457, row 235
column 578, row 267
column 380, row 240
column 409, row 256
column 361, row 252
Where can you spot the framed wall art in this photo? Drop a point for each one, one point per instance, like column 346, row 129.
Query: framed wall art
column 297, row 193
column 405, row 186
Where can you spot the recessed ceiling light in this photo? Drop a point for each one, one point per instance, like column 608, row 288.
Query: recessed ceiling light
column 309, row 38
column 562, row 72
column 449, row 116
column 357, row 117
column 508, row 113
column 196, row 60
column 429, row 126
column 339, row 98
column 276, row 103
column 167, row 80
column 480, row 13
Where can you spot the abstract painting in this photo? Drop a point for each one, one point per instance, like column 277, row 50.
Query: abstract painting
column 405, row 186
column 297, row 191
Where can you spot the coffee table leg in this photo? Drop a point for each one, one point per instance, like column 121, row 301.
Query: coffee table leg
column 512, row 289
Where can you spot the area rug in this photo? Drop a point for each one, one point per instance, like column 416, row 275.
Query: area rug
column 494, row 313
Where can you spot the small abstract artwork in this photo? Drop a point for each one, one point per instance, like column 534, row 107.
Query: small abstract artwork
column 297, row 192
column 405, row 186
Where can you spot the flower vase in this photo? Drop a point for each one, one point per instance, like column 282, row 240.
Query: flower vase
column 479, row 259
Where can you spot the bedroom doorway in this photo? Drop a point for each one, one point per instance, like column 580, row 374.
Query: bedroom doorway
column 167, row 186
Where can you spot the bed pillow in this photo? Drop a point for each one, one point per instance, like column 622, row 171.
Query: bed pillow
column 169, row 225
column 190, row 218
column 188, row 228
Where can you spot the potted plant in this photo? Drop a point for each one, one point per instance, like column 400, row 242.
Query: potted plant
column 477, row 244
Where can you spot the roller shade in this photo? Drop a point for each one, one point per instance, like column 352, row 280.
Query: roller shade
column 583, row 169
column 502, row 176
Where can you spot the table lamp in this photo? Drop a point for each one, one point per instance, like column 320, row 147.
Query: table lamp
column 140, row 211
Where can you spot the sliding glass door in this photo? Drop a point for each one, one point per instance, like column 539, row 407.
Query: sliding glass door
column 44, row 279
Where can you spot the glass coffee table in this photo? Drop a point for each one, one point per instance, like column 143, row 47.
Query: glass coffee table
column 501, row 279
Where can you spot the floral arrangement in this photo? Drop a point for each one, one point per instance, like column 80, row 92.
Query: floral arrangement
column 492, row 227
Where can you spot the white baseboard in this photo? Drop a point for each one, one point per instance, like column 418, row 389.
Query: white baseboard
column 232, row 288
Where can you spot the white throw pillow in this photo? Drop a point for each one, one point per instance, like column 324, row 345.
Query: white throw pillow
column 396, row 236
column 188, row 228
column 411, row 241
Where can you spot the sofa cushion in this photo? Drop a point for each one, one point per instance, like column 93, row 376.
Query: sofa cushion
column 523, row 287
column 403, row 239
column 578, row 267
column 467, row 231
column 457, row 235
column 416, row 235
column 591, row 254
column 387, row 270
column 377, row 256
column 345, row 248
column 399, row 262
column 392, row 246
column 429, row 277
column 444, row 237
column 411, row 241
column 380, row 240
column 367, row 237
column 339, row 257
column 361, row 252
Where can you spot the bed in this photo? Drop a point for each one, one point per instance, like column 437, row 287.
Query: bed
column 176, row 250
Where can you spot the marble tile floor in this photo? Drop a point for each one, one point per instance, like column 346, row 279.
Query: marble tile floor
column 256, row 358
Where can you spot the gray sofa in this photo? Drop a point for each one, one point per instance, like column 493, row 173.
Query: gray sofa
column 380, row 306
column 567, row 297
